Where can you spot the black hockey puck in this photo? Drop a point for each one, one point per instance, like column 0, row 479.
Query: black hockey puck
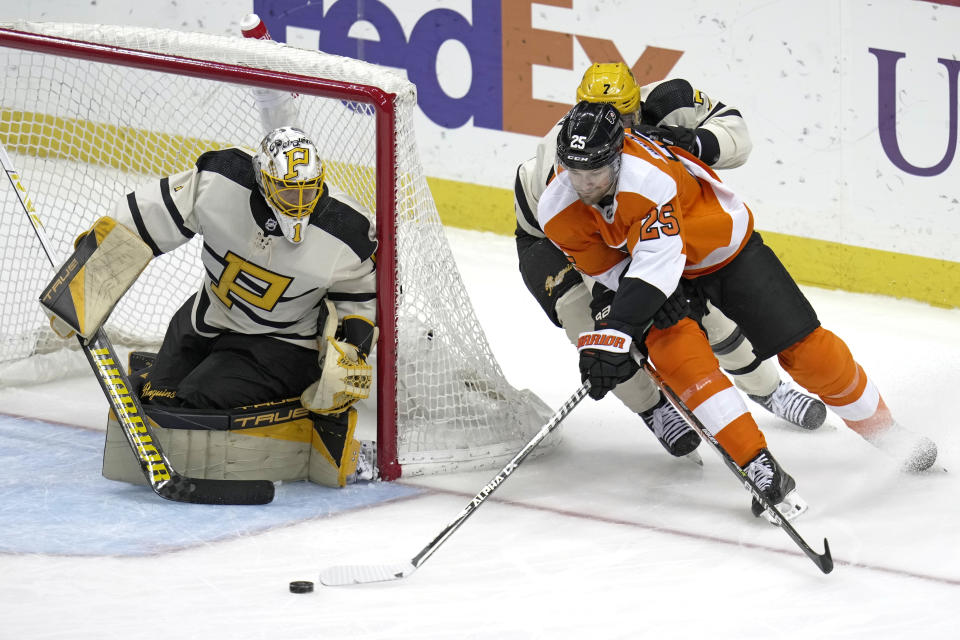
column 301, row 586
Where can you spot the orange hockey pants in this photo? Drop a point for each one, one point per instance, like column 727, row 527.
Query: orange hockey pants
column 682, row 356
column 822, row 364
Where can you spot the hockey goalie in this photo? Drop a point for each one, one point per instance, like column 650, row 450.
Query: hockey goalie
column 259, row 369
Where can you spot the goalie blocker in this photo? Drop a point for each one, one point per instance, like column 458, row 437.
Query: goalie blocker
column 277, row 441
column 106, row 261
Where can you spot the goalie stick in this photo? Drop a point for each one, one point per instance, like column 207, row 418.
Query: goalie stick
column 823, row 561
column 361, row 574
column 163, row 479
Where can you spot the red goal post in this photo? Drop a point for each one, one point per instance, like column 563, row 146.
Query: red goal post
column 90, row 111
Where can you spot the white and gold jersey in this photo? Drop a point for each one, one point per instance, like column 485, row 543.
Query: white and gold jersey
column 255, row 281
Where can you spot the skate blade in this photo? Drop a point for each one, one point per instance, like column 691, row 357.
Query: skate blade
column 694, row 457
column 791, row 507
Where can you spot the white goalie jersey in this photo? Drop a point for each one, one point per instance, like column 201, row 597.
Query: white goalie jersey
column 255, row 281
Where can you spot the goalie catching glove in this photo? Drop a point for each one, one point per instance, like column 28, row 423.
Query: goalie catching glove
column 106, row 262
column 345, row 376
column 605, row 357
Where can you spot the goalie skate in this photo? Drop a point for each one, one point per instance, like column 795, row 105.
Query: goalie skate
column 366, row 463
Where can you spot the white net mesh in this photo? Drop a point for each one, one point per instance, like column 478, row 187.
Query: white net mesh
column 85, row 133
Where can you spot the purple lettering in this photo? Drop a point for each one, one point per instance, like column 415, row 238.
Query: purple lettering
column 887, row 112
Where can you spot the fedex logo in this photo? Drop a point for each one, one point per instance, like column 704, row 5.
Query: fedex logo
column 499, row 37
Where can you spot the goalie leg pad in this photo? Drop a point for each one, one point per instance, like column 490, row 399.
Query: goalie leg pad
column 267, row 441
column 105, row 263
column 335, row 451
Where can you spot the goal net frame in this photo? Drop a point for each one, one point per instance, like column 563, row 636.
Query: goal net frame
column 383, row 104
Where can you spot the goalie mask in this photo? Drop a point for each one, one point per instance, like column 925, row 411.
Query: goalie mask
column 290, row 176
column 612, row 82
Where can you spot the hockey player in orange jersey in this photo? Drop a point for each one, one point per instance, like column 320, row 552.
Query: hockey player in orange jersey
column 642, row 219
column 674, row 112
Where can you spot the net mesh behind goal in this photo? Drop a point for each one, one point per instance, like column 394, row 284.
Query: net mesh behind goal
column 89, row 112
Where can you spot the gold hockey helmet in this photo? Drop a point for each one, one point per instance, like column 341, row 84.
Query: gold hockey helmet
column 611, row 82
column 290, row 176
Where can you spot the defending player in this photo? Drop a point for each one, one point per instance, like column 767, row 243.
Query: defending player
column 639, row 217
column 286, row 306
column 676, row 114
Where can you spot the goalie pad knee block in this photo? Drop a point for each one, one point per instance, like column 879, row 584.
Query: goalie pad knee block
column 105, row 263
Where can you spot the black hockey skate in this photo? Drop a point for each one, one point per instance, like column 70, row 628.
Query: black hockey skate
column 793, row 406
column 671, row 429
column 776, row 485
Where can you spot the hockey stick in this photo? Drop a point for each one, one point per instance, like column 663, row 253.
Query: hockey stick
column 163, row 479
column 361, row 574
column 824, row 561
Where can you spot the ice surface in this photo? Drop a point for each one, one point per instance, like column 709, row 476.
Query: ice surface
column 605, row 537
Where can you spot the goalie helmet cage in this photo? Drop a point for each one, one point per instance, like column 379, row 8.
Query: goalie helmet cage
column 92, row 111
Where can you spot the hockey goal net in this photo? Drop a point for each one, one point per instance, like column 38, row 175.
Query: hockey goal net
column 89, row 112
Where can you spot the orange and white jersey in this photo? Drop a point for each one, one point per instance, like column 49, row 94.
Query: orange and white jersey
column 670, row 217
column 664, row 103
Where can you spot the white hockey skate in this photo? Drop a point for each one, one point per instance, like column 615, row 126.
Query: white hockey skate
column 367, row 469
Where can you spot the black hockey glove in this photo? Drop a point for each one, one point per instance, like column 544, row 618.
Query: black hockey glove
column 605, row 357
column 696, row 299
column 672, row 136
column 675, row 309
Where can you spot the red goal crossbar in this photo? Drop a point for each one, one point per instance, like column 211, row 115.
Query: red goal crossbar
column 383, row 104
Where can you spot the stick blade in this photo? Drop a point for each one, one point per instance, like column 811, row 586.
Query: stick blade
column 211, row 491
column 363, row 574
column 824, row 560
